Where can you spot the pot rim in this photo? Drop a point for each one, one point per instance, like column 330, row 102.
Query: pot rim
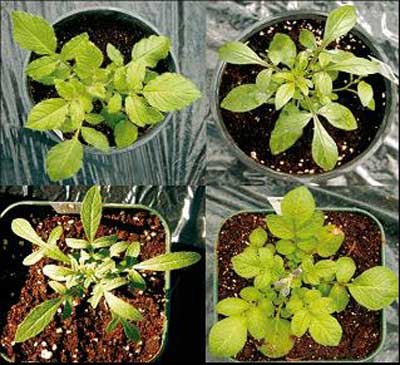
column 383, row 326
column 381, row 134
column 63, row 207
column 56, row 135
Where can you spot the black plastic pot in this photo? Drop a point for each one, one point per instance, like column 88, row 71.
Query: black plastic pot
column 116, row 15
column 248, row 161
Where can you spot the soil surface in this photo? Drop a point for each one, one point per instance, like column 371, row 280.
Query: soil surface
column 82, row 337
column 251, row 131
column 101, row 30
column 361, row 327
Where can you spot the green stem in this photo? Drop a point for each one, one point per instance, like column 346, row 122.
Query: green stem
column 278, row 311
column 351, row 82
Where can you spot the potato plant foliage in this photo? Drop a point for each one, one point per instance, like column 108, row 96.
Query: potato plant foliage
column 297, row 285
column 91, row 268
column 123, row 96
column 300, row 83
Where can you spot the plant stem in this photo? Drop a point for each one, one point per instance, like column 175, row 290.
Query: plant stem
column 351, row 82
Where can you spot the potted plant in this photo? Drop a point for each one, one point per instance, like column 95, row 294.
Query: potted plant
column 304, row 284
column 101, row 78
column 302, row 95
column 97, row 286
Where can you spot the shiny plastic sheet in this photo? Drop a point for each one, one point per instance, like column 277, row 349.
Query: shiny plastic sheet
column 226, row 20
column 224, row 201
column 174, row 156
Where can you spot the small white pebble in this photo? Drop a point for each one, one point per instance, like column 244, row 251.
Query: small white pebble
column 54, row 347
column 44, row 343
column 12, row 343
column 67, row 332
column 126, row 348
column 59, row 330
column 45, row 354
column 59, row 310
column 35, row 344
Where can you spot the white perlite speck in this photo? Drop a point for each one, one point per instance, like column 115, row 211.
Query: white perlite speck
column 54, row 347
column 46, row 354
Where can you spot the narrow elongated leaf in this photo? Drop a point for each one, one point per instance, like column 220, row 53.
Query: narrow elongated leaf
column 131, row 331
column 339, row 116
column 324, row 149
column 149, row 51
column 169, row 261
column 105, row 241
column 137, row 280
column 118, row 248
column 58, row 273
column 22, row 228
column 77, row 243
column 55, row 235
column 133, row 249
column 33, row 258
column 91, row 212
column 55, row 253
column 48, row 114
column 244, row 98
column 339, row 22
column 356, row 66
column 37, row 320
column 239, row 53
column 122, row 308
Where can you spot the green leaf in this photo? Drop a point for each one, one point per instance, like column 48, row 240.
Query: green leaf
column 375, row 288
column 257, row 323
column 125, row 134
column 37, row 320
column 307, row 39
column 345, row 269
column 263, row 280
column 365, row 93
column 95, row 139
column 263, row 80
column 258, row 237
column 118, row 248
column 22, row 228
column 288, row 128
column 169, row 261
column 356, row 66
column 339, row 22
column 339, row 116
column 330, row 239
column 149, row 51
column 94, row 119
column 73, row 47
column 67, row 311
column 278, row 339
column 76, row 114
column 137, row 280
column 77, row 243
column 150, row 75
column 33, row 258
column 135, row 73
column 324, row 59
column 239, row 53
column 282, row 50
column 285, row 247
column 141, row 113
column 244, row 98
column 115, row 55
column 48, row 114
column 284, row 93
column 298, row 205
column 312, row 226
column 33, row 33
column 89, row 56
column 71, row 89
column 323, row 83
column 325, row 330
column 131, row 331
column 105, row 241
column 246, row 264
column 279, row 227
column 266, row 257
column 227, row 337
column 55, row 253
column 58, row 273
column 300, row 322
column 97, row 90
column 250, row 294
column 97, row 294
column 170, row 91
column 326, row 268
column 58, row 287
column 42, row 67
column 340, row 296
column 324, row 149
column 114, row 104
column 120, row 80
column 91, row 212
column 122, row 308
column 112, row 325
column 133, row 249
column 231, row 306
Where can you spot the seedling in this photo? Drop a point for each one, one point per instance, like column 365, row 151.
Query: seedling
column 300, row 83
column 91, row 268
column 123, row 96
column 298, row 285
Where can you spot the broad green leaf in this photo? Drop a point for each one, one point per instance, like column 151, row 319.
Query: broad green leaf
column 279, row 227
column 94, row 119
column 91, row 212
column 365, row 93
column 244, row 98
column 340, row 296
column 339, row 22
column 294, row 304
column 33, row 258
column 150, row 75
column 324, row 150
column 105, row 241
column 302, row 61
column 345, row 269
column 108, row 265
column 112, row 325
column 324, row 59
column 76, row 114
column 263, row 280
column 298, row 205
column 307, row 39
column 115, row 55
column 307, row 244
column 326, row 268
column 114, row 104
column 140, row 112
column 48, row 114
column 135, row 73
column 77, row 243
column 300, row 322
column 278, row 339
column 89, row 56
column 149, row 51
column 375, row 288
column 169, row 261
column 282, row 50
column 118, row 248
column 250, row 294
column 71, row 89
column 312, row 226
column 131, row 331
column 239, row 53
column 323, row 83
column 325, row 330
column 285, row 247
column 263, row 80
column 95, row 139
column 33, row 33
column 356, row 66
column 330, row 238
column 42, row 67
column 284, row 93
column 97, row 90
column 133, row 249
column 227, row 337
column 258, row 237
column 170, row 91
column 122, row 308
column 288, row 128
column 125, row 133
column 57, row 273
column 58, row 287
column 120, row 80
column 22, row 228
column 246, row 264
column 72, row 48
column 55, row 253
column 339, row 116
column 257, row 323
column 37, row 320
column 231, row 306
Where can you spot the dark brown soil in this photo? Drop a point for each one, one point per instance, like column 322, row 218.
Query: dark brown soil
column 252, row 130
column 361, row 328
column 82, row 337
column 101, row 30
